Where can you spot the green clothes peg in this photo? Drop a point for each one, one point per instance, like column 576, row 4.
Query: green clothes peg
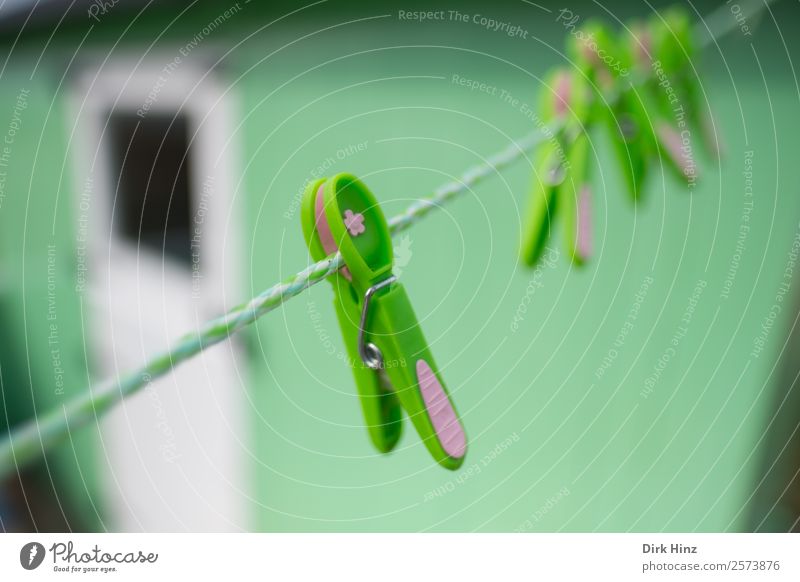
column 393, row 367
column 617, row 106
column 537, row 223
column 380, row 405
column 664, row 95
column 561, row 184
column 674, row 46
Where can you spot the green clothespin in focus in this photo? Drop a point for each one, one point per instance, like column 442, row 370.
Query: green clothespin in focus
column 617, row 105
column 561, row 185
column 392, row 365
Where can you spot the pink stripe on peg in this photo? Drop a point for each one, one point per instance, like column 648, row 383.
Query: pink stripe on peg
column 443, row 417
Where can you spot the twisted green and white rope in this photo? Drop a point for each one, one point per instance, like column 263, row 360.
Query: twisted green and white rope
column 450, row 190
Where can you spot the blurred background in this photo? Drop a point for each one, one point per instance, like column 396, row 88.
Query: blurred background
column 152, row 161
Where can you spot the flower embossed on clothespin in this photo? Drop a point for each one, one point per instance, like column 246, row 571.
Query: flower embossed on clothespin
column 354, row 222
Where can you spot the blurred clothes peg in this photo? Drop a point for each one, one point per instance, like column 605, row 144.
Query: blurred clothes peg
column 655, row 98
column 392, row 364
column 561, row 184
column 537, row 220
column 673, row 45
column 617, row 106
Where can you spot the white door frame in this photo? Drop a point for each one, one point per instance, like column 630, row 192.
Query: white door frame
column 203, row 487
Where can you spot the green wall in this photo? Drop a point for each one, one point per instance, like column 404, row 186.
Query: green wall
column 43, row 360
